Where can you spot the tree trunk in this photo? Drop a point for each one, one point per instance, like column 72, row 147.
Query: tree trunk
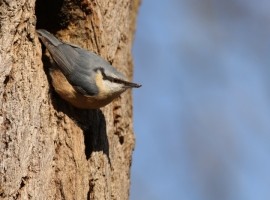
column 49, row 149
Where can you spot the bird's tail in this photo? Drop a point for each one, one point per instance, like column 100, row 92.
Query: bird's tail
column 47, row 38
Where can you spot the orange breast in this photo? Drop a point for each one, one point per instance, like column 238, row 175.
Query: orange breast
column 68, row 93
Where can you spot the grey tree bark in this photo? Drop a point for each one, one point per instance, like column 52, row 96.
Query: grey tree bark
column 49, row 149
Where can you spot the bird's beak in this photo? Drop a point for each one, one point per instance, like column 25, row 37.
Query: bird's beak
column 132, row 85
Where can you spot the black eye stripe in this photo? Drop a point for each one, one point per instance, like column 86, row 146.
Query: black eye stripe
column 109, row 78
column 99, row 69
column 115, row 80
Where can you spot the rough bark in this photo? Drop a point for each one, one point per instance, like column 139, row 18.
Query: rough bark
column 49, row 149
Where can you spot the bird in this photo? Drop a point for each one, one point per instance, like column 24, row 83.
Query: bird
column 83, row 78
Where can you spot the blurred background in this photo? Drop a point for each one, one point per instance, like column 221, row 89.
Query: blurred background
column 202, row 117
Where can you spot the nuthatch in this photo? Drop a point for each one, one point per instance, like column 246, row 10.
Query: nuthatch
column 83, row 78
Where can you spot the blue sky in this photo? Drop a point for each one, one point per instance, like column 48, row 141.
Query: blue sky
column 202, row 116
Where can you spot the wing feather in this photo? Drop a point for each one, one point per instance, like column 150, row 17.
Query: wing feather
column 76, row 66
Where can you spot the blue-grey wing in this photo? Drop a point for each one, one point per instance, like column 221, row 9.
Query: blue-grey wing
column 75, row 65
column 75, row 68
